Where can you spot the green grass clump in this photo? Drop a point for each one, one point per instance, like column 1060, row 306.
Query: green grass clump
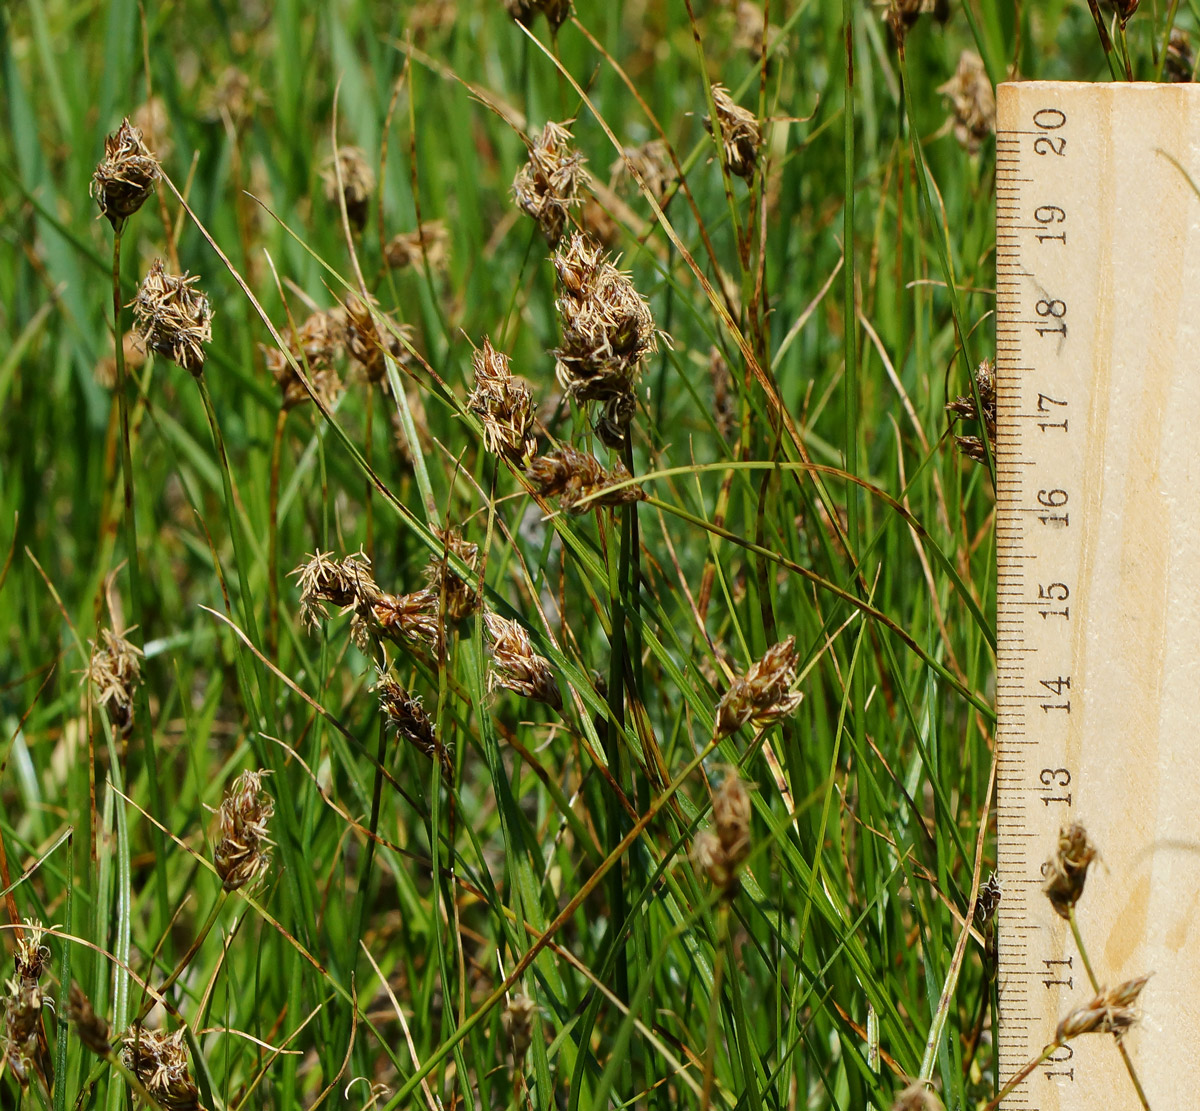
column 626, row 737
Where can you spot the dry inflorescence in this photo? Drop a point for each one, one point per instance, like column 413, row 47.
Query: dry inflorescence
column 316, row 344
column 557, row 12
column 21, row 1047
column 748, row 31
column 1066, row 871
column 368, row 345
column 720, row 850
column 1110, row 1012
column 348, row 584
column 242, row 853
column 763, row 694
column 115, row 672
column 430, row 243
column 504, row 404
column 571, row 475
column 406, row 717
column 547, row 185
column 723, row 398
column 916, row 1097
column 964, row 407
column 459, row 597
column 92, row 1030
column 607, row 329
column 173, row 318
column 516, row 666
column 974, row 102
column 652, row 163
column 126, row 176
column 357, row 184
column 160, row 1062
column 1180, row 61
column 741, row 135
column 517, row 1022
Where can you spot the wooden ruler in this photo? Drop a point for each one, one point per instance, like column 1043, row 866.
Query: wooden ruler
column 1098, row 535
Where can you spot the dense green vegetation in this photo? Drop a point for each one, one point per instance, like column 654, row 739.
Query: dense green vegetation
column 801, row 480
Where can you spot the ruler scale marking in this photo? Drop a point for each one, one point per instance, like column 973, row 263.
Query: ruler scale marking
column 1098, row 585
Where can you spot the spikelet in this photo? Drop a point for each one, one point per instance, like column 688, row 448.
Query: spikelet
column 1066, row 871
column 173, row 318
column 407, row 719
column 126, row 176
column 345, row 583
column 740, row 133
column 652, row 163
column 1112, row 1011
column 316, row 344
column 974, row 103
column 547, row 185
column 763, row 694
column 461, row 597
column 504, row 404
column 429, row 243
column 242, row 852
column 160, row 1062
column 607, row 329
column 516, row 666
column 92, row 1030
column 357, row 184
column 571, row 475
column 517, row 1022
column 368, row 346
column 115, row 672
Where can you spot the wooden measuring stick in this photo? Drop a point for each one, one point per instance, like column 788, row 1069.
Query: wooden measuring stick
column 1098, row 536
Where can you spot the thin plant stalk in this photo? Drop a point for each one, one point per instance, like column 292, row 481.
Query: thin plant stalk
column 1026, row 1070
column 187, row 957
column 142, row 716
column 710, row 1047
column 1091, row 975
column 273, row 535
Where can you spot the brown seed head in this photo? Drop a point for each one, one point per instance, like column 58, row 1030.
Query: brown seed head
column 763, row 694
column 970, row 93
column 114, row 672
column 916, row 1097
column 964, row 407
column 900, row 17
column 346, row 583
column 607, row 329
column 741, row 135
column 504, row 404
column 32, row 953
column 406, row 717
column 173, row 317
column 748, row 31
column 516, row 666
column 93, row 1031
column 1066, row 871
column 731, row 816
column 547, row 186
column 1180, row 62
column 1110, row 1012
column 723, row 400
column 461, row 597
column 357, row 184
column 242, row 854
column 429, row 243
column 409, row 617
column 989, row 900
column 652, row 163
column 517, row 1022
column 1125, row 9
column 571, row 475
column 126, row 176
column 160, row 1062
column 708, row 856
column 317, row 344
column 368, row 346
